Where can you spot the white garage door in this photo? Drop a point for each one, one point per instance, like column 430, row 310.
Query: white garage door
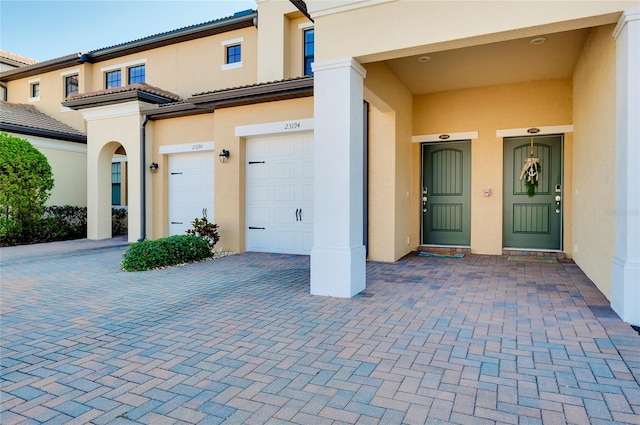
column 280, row 193
column 190, row 189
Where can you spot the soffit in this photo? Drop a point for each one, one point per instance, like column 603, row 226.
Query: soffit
column 503, row 62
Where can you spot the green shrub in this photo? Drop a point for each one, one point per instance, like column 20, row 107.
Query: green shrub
column 178, row 249
column 205, row 230
column 118, row 221
column 26, row 181
column 68, row 221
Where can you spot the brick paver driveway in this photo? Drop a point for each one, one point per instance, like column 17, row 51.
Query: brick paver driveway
column 240, row 340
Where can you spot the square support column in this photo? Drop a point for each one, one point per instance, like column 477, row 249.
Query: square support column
column 625, row 285
column 338, row 257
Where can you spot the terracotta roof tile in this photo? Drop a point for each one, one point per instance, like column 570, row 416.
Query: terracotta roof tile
column 266, row 83
column 21, row 115
column 143, row 87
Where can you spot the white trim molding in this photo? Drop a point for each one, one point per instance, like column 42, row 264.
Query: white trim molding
column 551, row 129
column 112, row 111
column 305, row 25
column 34, row 99
column 445, row 137
column 228, row 66
column 628, row 15
column 34, row 80
column 339, row 63
column 321, row 8
column 232, row 41
column 124, row 65
column 71, row 72
column 291, row 126
column 187, row 147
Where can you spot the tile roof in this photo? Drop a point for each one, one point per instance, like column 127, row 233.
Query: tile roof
column 248, row 86
column 143, row 87
column 16, row 59
column 19, row 117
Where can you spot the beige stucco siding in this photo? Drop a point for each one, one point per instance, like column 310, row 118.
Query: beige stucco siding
column 176, row 131
column 390, row 186
column 485, row 110
column 70, row 177
column 51, row 94
column 420, row 27
column 189, row 67
column 229, row 178
column 594, row 91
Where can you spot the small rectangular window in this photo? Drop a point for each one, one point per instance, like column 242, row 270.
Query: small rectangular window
column 234, row 54
column 116, row 183
column 35, row 90
column 70, row 85
column 308, row 51
column 113, row 79
column 136, row 74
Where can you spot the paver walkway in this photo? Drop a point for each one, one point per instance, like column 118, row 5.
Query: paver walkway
column 239, row 340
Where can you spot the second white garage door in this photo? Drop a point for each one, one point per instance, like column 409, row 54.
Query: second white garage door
column 190, row 189
column 280, row 193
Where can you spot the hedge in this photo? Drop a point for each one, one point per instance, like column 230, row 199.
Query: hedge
column 152, row 254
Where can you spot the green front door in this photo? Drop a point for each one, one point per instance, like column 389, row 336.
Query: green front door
column 446, row 193
column 533, row 222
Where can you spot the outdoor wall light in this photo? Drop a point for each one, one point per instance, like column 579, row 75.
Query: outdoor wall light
column 224, row 156
column 153, row 167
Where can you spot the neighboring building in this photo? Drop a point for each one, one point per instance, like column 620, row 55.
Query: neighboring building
column 412, row 131
column 10, row 61
column 64, row 147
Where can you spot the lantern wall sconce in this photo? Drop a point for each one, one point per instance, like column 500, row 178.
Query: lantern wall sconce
column 224, row 156
column 153, row 167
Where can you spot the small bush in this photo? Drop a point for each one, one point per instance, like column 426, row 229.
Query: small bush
column 152, row 254
column 118, row 221
column 205, row 230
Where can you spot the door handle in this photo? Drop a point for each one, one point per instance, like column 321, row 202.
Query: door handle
column 300, row 214
column 297, row 214
column 558, row 199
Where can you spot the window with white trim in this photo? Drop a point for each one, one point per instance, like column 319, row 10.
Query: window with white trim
column 34, row 90
column 309, row 50
column 113, row 79
column 234, row 54
column 70, row 85
column 136, row 74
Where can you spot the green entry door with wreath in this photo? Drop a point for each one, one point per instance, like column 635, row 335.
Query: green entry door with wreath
column 446, row 193
column 533, row 215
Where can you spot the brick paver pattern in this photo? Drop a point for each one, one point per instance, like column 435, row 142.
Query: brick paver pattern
column 239, row 340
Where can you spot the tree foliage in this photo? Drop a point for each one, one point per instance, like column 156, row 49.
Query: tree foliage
column 26, row 181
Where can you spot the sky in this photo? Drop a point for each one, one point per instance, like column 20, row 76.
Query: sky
column 49, row 29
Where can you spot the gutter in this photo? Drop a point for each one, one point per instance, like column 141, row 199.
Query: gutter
column 143, row 179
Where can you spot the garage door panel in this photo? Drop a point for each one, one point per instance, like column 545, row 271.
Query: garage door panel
column 285, row 190
column 190, row 189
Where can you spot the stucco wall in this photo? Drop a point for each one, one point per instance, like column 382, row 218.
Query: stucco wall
column 51, row 94
column 229, row 178
column 487, row 109
column 374, row 36
column 594, row 92
column 390, row 183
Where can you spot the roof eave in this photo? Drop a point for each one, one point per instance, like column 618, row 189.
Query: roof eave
column 280, row 90
column 41, row 67
column 114, row 98
column 172, row 38
column 20, row 129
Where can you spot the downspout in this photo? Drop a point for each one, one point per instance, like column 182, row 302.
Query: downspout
column 143, row 179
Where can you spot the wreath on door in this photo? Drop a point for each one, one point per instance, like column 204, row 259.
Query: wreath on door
column 531, row 172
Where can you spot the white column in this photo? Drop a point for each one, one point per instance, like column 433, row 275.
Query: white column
column 338, row 259
column 625, row 277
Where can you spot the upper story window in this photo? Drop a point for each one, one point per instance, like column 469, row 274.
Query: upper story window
column 234, row 54
column 308, row 51
column 136, row 74
column 113, row 79
column 70, row 85
column 34, row 90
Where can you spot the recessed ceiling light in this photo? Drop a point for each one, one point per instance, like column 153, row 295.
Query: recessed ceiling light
column 424, row 59
column 538, row 40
